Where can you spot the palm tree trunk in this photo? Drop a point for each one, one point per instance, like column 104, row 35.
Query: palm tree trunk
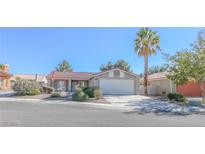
column 145, row 74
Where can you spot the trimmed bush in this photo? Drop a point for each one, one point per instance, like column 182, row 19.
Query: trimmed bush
column 55, row 95
column 25, row 87
column 98, row 93
column 35, row 92
column 89, row 91
column 80, row 96
column 177, row 97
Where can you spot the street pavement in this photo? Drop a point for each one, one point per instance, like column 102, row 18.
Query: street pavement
column 37, row 114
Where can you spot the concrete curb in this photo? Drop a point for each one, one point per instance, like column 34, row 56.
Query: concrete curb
column 64, row 102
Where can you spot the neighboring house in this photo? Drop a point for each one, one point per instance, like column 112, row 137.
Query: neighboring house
column 5, row 78
column 32, row 77
column 115, row 81
column 158, row 83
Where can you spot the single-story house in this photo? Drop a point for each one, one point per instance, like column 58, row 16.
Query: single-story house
column 158, row 83
column 32, row 77
column 5, row 78
column 115, row 81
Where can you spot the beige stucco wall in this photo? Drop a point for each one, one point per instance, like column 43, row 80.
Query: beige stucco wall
column 163, row 85
column 5, row 83
column 91, row 83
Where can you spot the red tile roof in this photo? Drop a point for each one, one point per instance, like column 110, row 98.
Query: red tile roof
column 70, row 75
column 5, row 74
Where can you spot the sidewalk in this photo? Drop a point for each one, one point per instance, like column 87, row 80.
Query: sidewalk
column 29, row 100
column 7, row 93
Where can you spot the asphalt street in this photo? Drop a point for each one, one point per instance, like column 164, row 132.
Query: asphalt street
column 35, row 114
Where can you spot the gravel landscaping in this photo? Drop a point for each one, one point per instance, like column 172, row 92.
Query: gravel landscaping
column 145, row 104
column 166, row 107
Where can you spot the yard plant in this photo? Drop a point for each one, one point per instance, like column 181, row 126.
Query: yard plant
column 25, row 87
column 146, row 44
column 55, row 95
column 189, row 65
column 64, row 67
column 79, row 95
column 177, row 97
column 121, row 64
column 89, row 91
column 157, row 69
column 98, row 93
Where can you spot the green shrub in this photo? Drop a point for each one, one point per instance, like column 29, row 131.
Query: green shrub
column 177, row 97
column 35, row 92
column 55, row 94
column 25, row 87
column 89, row 91
column 80, row 96
column 98, row 93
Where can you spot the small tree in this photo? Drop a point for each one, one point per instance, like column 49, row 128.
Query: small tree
column 108, row 66
column 25, row 87
column 122, row 64
column 189, row 65
column 157, row 69
column 64, row 67
column 198, row 66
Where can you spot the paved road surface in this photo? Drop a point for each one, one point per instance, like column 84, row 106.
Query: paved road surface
column 41, row 114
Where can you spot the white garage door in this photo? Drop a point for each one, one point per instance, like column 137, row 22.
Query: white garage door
column 117, row 86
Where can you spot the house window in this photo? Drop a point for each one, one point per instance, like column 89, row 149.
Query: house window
column 116, row 73
column 61, row 85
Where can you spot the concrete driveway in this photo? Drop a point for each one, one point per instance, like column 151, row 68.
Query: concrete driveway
column 146, row 104
column 127, row 99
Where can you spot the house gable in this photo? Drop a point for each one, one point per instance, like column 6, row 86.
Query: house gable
column 112, row 74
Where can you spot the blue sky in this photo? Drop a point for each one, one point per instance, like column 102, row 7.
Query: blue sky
column 39, row 50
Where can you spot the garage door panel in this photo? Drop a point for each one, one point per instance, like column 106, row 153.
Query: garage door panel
column 117, row 86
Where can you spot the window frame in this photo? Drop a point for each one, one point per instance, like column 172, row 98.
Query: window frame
column 116, row 73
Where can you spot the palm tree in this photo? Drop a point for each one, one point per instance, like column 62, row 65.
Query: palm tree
column 146, row 44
